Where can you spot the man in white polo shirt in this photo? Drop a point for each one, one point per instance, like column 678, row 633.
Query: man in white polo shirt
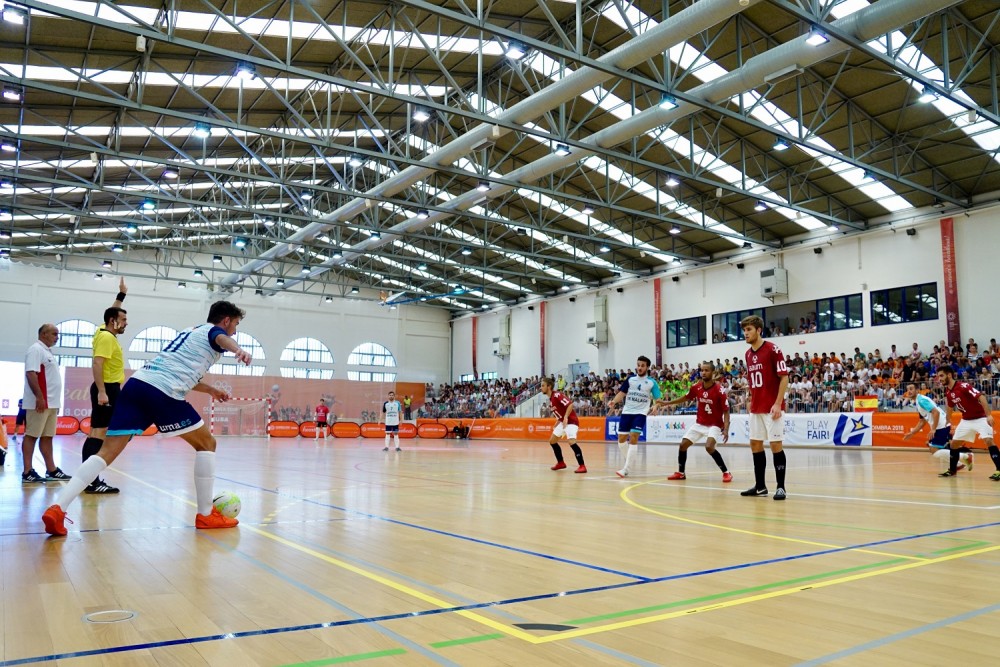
column 42, row 400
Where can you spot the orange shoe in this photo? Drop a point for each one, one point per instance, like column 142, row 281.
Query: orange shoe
column 727, row 477
column 558, row 466
column 214, row 520
column 677, row 475
column 54, row 519
column 581, row 469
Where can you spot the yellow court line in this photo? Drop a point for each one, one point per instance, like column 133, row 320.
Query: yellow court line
column 640, row 506
column 402, row 588
column 582, row 632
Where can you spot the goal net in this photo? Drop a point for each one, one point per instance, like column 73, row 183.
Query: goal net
column 244, row 416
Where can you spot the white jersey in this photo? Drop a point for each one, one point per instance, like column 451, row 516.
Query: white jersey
column 639, row 394
column 391, row 410
column 926, row 407
column 182, row 363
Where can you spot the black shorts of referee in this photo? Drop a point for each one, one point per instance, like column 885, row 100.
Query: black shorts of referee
column 100, row 415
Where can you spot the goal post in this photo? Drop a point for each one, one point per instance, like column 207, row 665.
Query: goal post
column 247, row 416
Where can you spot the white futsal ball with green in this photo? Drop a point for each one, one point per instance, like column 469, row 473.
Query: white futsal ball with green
column 228, row 504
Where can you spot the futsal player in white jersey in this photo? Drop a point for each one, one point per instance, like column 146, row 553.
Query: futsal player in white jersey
column 155, row 395
column 392, row 409
column 940, row 440
column 638, row 391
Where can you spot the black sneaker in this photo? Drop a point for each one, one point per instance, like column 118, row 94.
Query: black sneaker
column 57, row 475
column 385, row 449
column 948, row 473
column 32, row 477
column 398, row 449
column 779, row 494
column 100, row 486
column 754, row 491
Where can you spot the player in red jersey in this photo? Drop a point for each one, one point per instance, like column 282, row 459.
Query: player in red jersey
column 768, row 376
column 567, row 426
column 322, row 414
column 976, row 418
column 712, row 423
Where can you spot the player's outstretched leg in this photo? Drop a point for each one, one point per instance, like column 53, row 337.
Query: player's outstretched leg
column 55, row 516
column 578, row 453
column 557, row 450
column 204, row 479
column 717, row 457
column 682, row 457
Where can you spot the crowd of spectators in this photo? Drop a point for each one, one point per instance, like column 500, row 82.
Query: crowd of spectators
column 818, row 382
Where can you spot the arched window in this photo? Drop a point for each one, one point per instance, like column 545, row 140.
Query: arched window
column 76, row 343
column 371, row 354
column 147, row 343
column 229, row 366
column 307, row 358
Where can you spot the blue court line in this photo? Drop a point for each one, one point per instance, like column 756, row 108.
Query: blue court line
column 905, row 634
column 469, row 607
column 467, row 538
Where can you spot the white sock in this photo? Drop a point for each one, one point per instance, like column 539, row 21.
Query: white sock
column 386, row 439
column 629, row 457
column 395, row 439
column 82, row 478
column 204, row 481
column 621, row 448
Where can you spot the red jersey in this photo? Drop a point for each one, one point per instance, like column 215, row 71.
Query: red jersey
column 560, row 404
column 712, row 403
column 765, row 366
column 964, row 398
column 321, row 413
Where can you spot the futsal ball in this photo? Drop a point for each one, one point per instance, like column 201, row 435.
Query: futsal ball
column 228, row 504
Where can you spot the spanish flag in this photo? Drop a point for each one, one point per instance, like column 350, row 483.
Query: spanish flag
column 865, row 403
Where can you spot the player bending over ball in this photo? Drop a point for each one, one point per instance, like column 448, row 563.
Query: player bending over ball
column 712, row 423
column 155, row 395
column 940, row 442
column 567, row 426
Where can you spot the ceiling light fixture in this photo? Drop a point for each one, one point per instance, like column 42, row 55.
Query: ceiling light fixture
column 307, row 195
column 562, row 150
column 515, row 50
column 170, row 173
column 421, row 267
column 675, row 230
column 817, row 38
column 421, row 115
column 484, row 186
column 131, row 228
column 466, row 251
column 926, row 96
column 668, row 102
column 354, row 290
column 14, row 14
column 98, row 276
column 672, row 181
column 8, row 147
column 216, row 259
column 148, row 205
column 328, row 299
column 280, row 281
column 834, row 227
column 604, row 248
column 376, row 235
column 337, row 254
column 268, row 222
column 760, row 206
column 117, row 248
column 240, row 242
column 423, row 214
column 181, row 284
column 12, row 94
column 198, row 273
column 106, row 264
column 305, row 268
column 867, row 177
column 781, row 145
column 202, row 130
column 246, row 71
column 588, row 210
column 355, row 161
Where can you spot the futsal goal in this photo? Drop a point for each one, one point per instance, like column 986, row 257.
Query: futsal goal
column 246, row 416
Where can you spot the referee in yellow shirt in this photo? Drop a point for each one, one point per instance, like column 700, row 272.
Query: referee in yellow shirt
column 109, row 375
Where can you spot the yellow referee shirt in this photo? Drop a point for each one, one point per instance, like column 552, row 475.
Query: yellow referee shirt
column 106, row 345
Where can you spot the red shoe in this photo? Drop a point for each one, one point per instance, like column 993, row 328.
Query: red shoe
column 678, row 475
column 727, row 477
column 214, row 520
column 581, row 469
column 558, row 466
column 53, row 520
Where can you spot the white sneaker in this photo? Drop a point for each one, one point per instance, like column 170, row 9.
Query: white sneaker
column 622, row 473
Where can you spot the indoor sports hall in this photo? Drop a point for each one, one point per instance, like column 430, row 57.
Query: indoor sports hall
column 422, row 210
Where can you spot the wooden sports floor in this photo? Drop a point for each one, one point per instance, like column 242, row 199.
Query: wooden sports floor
column 475, row 553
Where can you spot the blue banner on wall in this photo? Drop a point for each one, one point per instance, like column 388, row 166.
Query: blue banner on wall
column 611, row 429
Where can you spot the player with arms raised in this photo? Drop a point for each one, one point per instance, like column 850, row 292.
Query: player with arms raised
column 155, row 395
column 976, row 417
column 768, row 377
column 392, row 409
column 638, row 391
column 568, row 425
column 711, row 424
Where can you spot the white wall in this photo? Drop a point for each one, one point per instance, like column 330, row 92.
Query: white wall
column 418, row 337
column 848, row 265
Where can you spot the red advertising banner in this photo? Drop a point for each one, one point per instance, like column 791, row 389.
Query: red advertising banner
column 949, row 262
column 541, row 332
column 657, row 312
column 432, row 430
column 475, row 347
column 283, row 429
column 512, row 428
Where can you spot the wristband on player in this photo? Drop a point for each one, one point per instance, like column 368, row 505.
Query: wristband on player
column 121, row 296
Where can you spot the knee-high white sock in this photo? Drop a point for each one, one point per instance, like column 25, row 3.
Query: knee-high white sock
column 395, row 439
column 629, row 457
column 387, row 436
column 622, row 446
column 204, row 481
column 82, row 478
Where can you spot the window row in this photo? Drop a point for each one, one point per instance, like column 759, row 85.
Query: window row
column 914, row 303
column 303, row 357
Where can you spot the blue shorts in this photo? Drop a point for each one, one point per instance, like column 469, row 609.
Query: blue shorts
column 141, row 405
column 632, row 424
column 941, row 438
column 392, row 429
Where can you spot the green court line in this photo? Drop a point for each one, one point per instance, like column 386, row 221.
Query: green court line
column 348, row 658
column 960, row 547
column 467, row 640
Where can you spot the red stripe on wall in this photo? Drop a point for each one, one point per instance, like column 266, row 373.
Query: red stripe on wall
column 657, row 313
column 948, row 261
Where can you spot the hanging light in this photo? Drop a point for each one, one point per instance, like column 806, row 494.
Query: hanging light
column 421, row 115
column 817, row 38
column 246, row 71
column 515, row 50
column 760, row 206
column 668, row 102
column 202, row 130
